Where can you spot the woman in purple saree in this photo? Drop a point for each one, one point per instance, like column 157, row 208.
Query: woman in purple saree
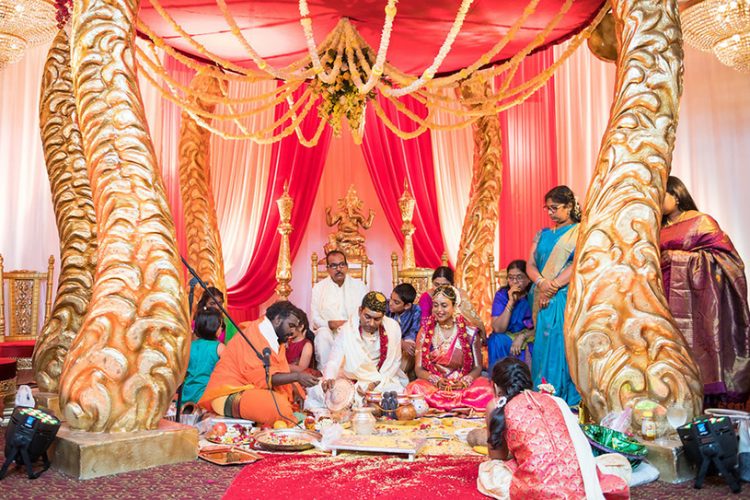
column 705, row 285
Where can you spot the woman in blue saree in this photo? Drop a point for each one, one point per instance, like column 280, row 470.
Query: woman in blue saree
column 549, row 267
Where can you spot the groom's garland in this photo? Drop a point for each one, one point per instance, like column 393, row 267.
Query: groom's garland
column 383, row 346
column 463, row 338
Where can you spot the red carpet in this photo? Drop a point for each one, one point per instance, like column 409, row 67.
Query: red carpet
column 301, row 478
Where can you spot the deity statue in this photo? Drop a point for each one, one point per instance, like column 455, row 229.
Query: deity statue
column 349, row 218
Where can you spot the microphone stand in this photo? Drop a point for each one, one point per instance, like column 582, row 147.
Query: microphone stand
column 191, row 296
column 265, row 358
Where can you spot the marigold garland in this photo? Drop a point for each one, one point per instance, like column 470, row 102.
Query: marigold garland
column 345, row 77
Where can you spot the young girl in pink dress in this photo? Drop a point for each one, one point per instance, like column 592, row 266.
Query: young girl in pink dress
column 537, row 449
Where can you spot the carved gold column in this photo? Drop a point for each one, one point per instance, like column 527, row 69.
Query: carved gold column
column 480, row 224
column 284, row 266
column 74, row 212
column 406, row 204
column 132, row 351
column 201, row 226
column 621, row 341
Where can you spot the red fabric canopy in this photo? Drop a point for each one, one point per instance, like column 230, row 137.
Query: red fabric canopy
column 419, row 29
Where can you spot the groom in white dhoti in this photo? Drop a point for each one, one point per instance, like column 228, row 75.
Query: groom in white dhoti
column 334, row 300
column 367, row 351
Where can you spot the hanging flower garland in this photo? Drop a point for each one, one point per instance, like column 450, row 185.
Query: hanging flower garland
column 463, row 338
column 341, row 97
column 64, row 9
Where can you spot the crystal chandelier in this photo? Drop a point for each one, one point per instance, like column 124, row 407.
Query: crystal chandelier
column 721, row 27
column 24, row 24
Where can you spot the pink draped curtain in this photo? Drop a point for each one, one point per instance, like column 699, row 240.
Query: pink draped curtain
column 391, row 160
column 529, row 162
column 302, row 168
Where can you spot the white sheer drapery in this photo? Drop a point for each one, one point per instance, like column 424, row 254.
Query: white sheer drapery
column 239, row 174
column 453, row 159
column 713, row 134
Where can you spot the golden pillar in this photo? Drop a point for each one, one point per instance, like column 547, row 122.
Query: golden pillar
column 622, row 344
column 201, row 227
column 406, row 204
column 132, row 351
column 480, row 224
column 74, row 212
column 284, row 266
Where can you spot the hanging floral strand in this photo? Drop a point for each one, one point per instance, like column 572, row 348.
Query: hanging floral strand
column 64, row 8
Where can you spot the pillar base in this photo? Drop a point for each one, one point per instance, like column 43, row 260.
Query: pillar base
column 49, row 400
column 87, row 455
column 670, row 460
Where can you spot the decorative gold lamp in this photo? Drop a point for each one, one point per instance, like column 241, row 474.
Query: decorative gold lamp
column 284, row 267
column 406, row 204
column 721, row 27
column 24, row 24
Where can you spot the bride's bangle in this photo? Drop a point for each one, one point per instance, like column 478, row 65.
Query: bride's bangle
column 539, row 280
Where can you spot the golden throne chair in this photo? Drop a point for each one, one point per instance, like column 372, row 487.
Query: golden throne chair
column 26, row 318
column 418, row 277
column 358, row 267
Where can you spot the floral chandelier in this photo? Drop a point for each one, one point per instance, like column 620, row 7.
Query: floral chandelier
column 24, row 24
column 721, row 27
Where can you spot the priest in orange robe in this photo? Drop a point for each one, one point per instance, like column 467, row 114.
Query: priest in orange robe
column 238, row 387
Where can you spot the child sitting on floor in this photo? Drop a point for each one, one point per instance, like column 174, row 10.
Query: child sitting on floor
column 300, row 349
column 205, row 351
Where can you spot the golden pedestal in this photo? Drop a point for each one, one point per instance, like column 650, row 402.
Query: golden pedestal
column 670, row 460
column 49, row 400
column 87, row 455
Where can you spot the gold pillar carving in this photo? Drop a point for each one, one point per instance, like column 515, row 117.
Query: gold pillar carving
column 284, row 266
column 132, row 351
column 480, row 224
column 621, row 341
column 74, row 212
column 201, row 227
column 406, row 204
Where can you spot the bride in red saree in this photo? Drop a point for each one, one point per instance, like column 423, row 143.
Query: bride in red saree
column 705, row 285
column 448, row 359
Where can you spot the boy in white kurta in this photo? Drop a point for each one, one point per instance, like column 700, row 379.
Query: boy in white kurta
column 367, row 351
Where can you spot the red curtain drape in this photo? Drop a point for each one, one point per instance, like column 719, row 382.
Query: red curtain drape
column 302, row 167
column 529, row 162
column 390, row 160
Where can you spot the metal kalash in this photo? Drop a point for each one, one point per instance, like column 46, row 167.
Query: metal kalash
column 29, row 434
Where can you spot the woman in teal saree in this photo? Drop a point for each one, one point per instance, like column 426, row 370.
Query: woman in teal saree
column 549, row 267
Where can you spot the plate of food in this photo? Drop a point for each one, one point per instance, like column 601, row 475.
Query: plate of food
column 228, row 455
column 233, row 434
column 286, row 439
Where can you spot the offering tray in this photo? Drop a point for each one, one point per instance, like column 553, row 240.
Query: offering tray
column 287, row 439
column 394, row 445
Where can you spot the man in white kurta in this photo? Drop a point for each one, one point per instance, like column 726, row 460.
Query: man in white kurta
column 334, row 300
column 357, row 354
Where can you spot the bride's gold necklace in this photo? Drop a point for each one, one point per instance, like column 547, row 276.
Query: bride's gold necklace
column 443, row 338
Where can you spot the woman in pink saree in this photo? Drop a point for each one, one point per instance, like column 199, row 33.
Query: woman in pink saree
column 705, row 285
column 537, row 450
column 448, row 359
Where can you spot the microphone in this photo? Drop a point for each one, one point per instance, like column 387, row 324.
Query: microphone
column 193, row 282
column 267, row 357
